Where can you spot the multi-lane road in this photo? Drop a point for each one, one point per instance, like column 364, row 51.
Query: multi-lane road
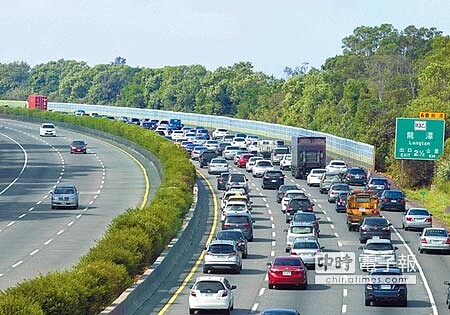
column 34, row 239
column 253, row 295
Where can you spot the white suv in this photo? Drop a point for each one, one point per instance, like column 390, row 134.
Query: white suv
column 211, row 293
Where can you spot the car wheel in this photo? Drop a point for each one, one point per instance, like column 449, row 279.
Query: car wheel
column 270, row 286
column 367, row 302
column 250, row 239
column 191, row 311
column 227, row 311
column 71, row 152
column 53, row 207
column 244, row 255
column 420, row 250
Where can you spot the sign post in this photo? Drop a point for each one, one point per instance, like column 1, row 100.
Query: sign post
column 419, row 139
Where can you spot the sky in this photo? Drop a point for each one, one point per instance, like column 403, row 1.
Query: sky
column 271, row 34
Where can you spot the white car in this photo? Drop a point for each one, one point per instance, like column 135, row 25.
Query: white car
column 218, row 133
column 47, row 130
column 164, row 129
column 177, row 134
column 314, row 176
column 378, row 253
column 251, row 162
column 261, row 166
column 239, row 142
column 336, row 166
column 299, row 231
column 252, row 147
column 230, row 151
column 234, row 206
column 217, row 166
column 291, row 194
column 251, row 138
column 211, row 144
column 211, row 293
column 286, row 162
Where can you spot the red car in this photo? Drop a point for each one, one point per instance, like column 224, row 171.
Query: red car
column 243, row 159
column 78, row 146
column 287, row 270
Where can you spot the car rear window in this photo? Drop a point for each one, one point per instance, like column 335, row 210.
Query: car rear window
column 435, row 232
column 209, row 286
column 264, row 163
column 301, row 229
column 221, row 249
column 379, row 246
column 304, row 217
column 232, row 235
column 375, row 221
column 341, row 187
column 294, row 195
column 418, row 212
column 299, row 203
column 394, row 194
column 378, row 181
column 357, row 171
column 48, row 126
column 287, row 262
column 237, row 178
column 284, row 188
column 305, row 245
column 281, row 150
column 274, row 174
column 236, row 219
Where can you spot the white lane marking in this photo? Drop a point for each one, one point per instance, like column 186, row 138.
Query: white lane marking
column 17, row 264
column 261, row 291
column 257, row 189
column 339, row 243
column 260, row 193
column 70, row 223
column 46, row 196
column 95, row 197
column 22, row 215
column 422, row 274
column 273, row 226
column 320, row 206
column 264, row 199
column 271, row 218
column 79, row 216
column 10, row 223
column 344, row 308
column 31, row 209
column 255, row 307
column 337, row 235
column 267, row 205
column 272, row 253
column 274, row 234
column 324, row 212
column 332, row 226
column 315, row 200
column 60, row 232
column 344, row 293
column 274, row 243
column 270, row 211
column 34, row 252
column 91, row 202
column 24, row 165
column 39, row 202
column 293, row 181
column 328, row 218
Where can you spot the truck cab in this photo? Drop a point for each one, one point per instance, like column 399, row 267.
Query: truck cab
column 360, row 204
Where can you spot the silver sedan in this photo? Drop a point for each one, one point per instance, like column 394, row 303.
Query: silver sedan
column 307, row 249
column 434, row 239
column 217, row 166
column 416, row 218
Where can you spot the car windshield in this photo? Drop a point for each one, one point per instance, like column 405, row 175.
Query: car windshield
column 64, row 191
column 379, row 246
column 436, row 232
column 221, row 249
column 48, row 126
column 305, row 245
column 209, row 286
column 301, row 229
column 418, row 212
column 304, row 217
column 237, row 219
column 78, row 143
column 375, row 221
column 286, row 262
column 229, row 235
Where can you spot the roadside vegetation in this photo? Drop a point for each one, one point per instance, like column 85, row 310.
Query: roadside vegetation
column 131, row 243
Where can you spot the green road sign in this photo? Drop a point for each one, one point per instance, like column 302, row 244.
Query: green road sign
column 419, row 138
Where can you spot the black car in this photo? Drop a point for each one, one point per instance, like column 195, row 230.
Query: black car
column 341, row 201
column 272, row 179
column 378, row 184
column 306, row 217
column 78, row 146
column 206, row 157
column 241, row 221
column 374, row 227
column 392, row 200
column 298, row 204
column 237, row 236
column 282, row 190
column 221, row 147
column 355, row 176
column 222, row 180
column 385, row 291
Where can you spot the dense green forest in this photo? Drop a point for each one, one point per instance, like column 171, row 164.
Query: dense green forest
column 382, row 74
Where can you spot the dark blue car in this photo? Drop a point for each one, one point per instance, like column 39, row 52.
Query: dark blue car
column 385, row 291
column 341, row 201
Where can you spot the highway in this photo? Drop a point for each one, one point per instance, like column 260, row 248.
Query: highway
column 252, row 293
column 34, row 239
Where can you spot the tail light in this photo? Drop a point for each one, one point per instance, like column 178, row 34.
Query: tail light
column 384, row 200
column 364, row 228
column 423, row 240
column 410, row 219
column 369, row 286
column 386, row 228
column 310, row 208
column 376, row 212
column 193, row 293
column 293, row 253
column 428, row 220
column 402, row 200
column 233, row 254
column 224, row 293
column 247, row 225
column 448, row 240
column 289, row 208
column 226, row 225
column 266, row 177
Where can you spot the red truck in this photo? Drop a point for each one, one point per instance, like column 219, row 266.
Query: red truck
column 37, row 102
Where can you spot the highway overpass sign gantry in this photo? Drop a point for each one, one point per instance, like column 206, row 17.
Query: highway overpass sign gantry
column 419, row 138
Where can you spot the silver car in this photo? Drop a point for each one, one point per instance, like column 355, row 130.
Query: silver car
column 217, row 166
column 434, row 239
column 307, row 249
column 335, row 189
column 378, row 253
column 222, row 254
column 64, row 196
column 416, row 218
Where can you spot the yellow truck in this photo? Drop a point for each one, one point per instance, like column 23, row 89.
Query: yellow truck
column 360, row 204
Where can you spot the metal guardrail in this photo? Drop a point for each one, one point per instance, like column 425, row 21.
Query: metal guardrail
column 354, row 152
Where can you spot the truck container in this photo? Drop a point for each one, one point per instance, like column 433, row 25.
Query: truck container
column 37, row 102
column 307, row 153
